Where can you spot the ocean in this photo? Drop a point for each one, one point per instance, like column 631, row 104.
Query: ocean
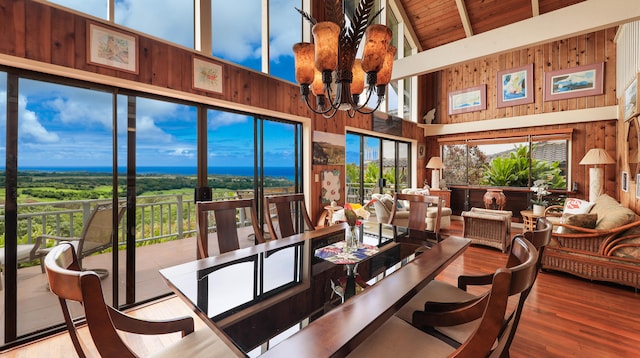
column 278, row 172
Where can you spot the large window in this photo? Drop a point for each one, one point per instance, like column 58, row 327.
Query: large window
column 375, row 165
column 514, row 161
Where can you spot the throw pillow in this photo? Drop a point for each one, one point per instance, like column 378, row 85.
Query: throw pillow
column 577, row 206
column 587, row 221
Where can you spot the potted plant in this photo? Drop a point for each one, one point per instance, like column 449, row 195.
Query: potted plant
column 540, row 188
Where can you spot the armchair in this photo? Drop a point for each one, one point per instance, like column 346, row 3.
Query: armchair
column 97, row 235
column 69, row 283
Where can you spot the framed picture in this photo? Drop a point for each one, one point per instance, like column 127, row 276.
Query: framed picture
column 421, row 150
column 207, row 76
column 468, row 100
column 113, row 49
column 631, row 100
column 574, row 82
column 515, row 86
column 625, row 181
column 637, row 186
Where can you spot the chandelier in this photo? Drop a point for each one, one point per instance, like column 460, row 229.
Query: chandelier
column 329, row 66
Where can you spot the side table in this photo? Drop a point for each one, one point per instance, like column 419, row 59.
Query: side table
column 529, row 219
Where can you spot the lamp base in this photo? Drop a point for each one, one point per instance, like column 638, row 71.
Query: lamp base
column 435, row 179
column 596, row 183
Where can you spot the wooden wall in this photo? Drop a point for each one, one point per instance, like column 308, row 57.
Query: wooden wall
column 44, row 33
column 568, row 53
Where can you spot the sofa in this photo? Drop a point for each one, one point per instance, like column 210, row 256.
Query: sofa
column 601, row 243
column 383, row 204
column 487, row 227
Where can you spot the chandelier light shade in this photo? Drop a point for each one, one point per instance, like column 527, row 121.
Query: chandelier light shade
column 596, row 156
column 334, row 76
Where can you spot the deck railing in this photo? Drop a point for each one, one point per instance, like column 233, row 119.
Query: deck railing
column 158, row 217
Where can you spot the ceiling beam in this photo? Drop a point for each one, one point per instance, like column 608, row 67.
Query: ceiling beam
column 581, row 18
column 535, row 8
column 464, row 17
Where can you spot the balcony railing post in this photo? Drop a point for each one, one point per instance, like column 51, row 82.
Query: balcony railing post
column 179, row 217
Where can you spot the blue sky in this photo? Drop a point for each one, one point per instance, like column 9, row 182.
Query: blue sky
column 66, row 126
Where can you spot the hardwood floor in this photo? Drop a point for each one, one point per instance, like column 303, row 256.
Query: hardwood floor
column 564, row 316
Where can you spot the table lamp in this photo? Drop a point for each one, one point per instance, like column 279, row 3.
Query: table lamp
column 435, row 163
column 596, row 157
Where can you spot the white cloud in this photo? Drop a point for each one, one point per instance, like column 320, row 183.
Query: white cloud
column 30, row 127
column 226, row 119
column 182, row 152
column 146, row 129
column 74, row 111
column 236, row 28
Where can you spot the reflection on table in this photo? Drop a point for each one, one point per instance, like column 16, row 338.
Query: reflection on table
column 255, row 293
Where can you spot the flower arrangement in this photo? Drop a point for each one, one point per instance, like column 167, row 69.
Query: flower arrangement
column 540, row 187
column 351, row 214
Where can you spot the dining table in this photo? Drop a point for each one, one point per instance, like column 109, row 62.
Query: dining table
column 253, row 294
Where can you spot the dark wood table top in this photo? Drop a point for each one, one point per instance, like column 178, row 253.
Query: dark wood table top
column 227, row 289
column 341, row 330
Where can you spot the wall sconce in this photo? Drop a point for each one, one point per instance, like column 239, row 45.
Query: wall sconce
column 596, row 157
column 435, row 163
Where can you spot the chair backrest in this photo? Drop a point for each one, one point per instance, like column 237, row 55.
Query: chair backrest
column 97, row 233
column 287, row 211
column 539, row 238
column 418, row 205
column 507, row 282
column 225, row 214
column 68, row 282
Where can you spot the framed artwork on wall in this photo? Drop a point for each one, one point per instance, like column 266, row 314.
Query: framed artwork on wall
column 113, row 49
column 515, row 86
column 468, row 100
column 207, row 76
column 637, row 186
column 625, row 181
column 574, row 82
column 631, row 100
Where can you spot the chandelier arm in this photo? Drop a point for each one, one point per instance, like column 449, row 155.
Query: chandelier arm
column 306, row 101
column 333, row 112
column 364, row 104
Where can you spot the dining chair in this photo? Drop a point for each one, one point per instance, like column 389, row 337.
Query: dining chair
column 97, row 235
column 70, row 283
column 286, row 215
column 419, row 207
column 439, row 296
column 399, row 338
column 225, row 214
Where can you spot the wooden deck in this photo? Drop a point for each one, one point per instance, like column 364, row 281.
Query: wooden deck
column 564, row 315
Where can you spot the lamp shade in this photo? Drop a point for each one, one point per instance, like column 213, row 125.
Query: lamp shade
column 435, row 163
column 317, row 87
column 384, row 75
column 304, row 61
column 377, row 39
column 597, row 156
column 325, row 36
column 357, row 84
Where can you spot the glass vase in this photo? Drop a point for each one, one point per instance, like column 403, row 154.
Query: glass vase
column 351, row 239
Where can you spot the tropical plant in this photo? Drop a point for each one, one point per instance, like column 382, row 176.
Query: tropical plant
column 514, row 170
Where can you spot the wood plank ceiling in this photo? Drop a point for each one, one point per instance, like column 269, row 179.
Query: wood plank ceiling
column 438, row 22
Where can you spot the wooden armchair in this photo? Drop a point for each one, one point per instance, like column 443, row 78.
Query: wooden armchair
column 439, row 296
column 416, row 222
column 225, row 213
column 398, row 338
column 68, row 282
column 286, row 215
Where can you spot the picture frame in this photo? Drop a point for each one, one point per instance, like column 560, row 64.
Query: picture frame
column 207, row 75
column 631, row 99
column 421, row 151
column 638, row 186
column 468, row 100
column 625, row 181
column 515, row 86
column 574, row 82
column 112, row 49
